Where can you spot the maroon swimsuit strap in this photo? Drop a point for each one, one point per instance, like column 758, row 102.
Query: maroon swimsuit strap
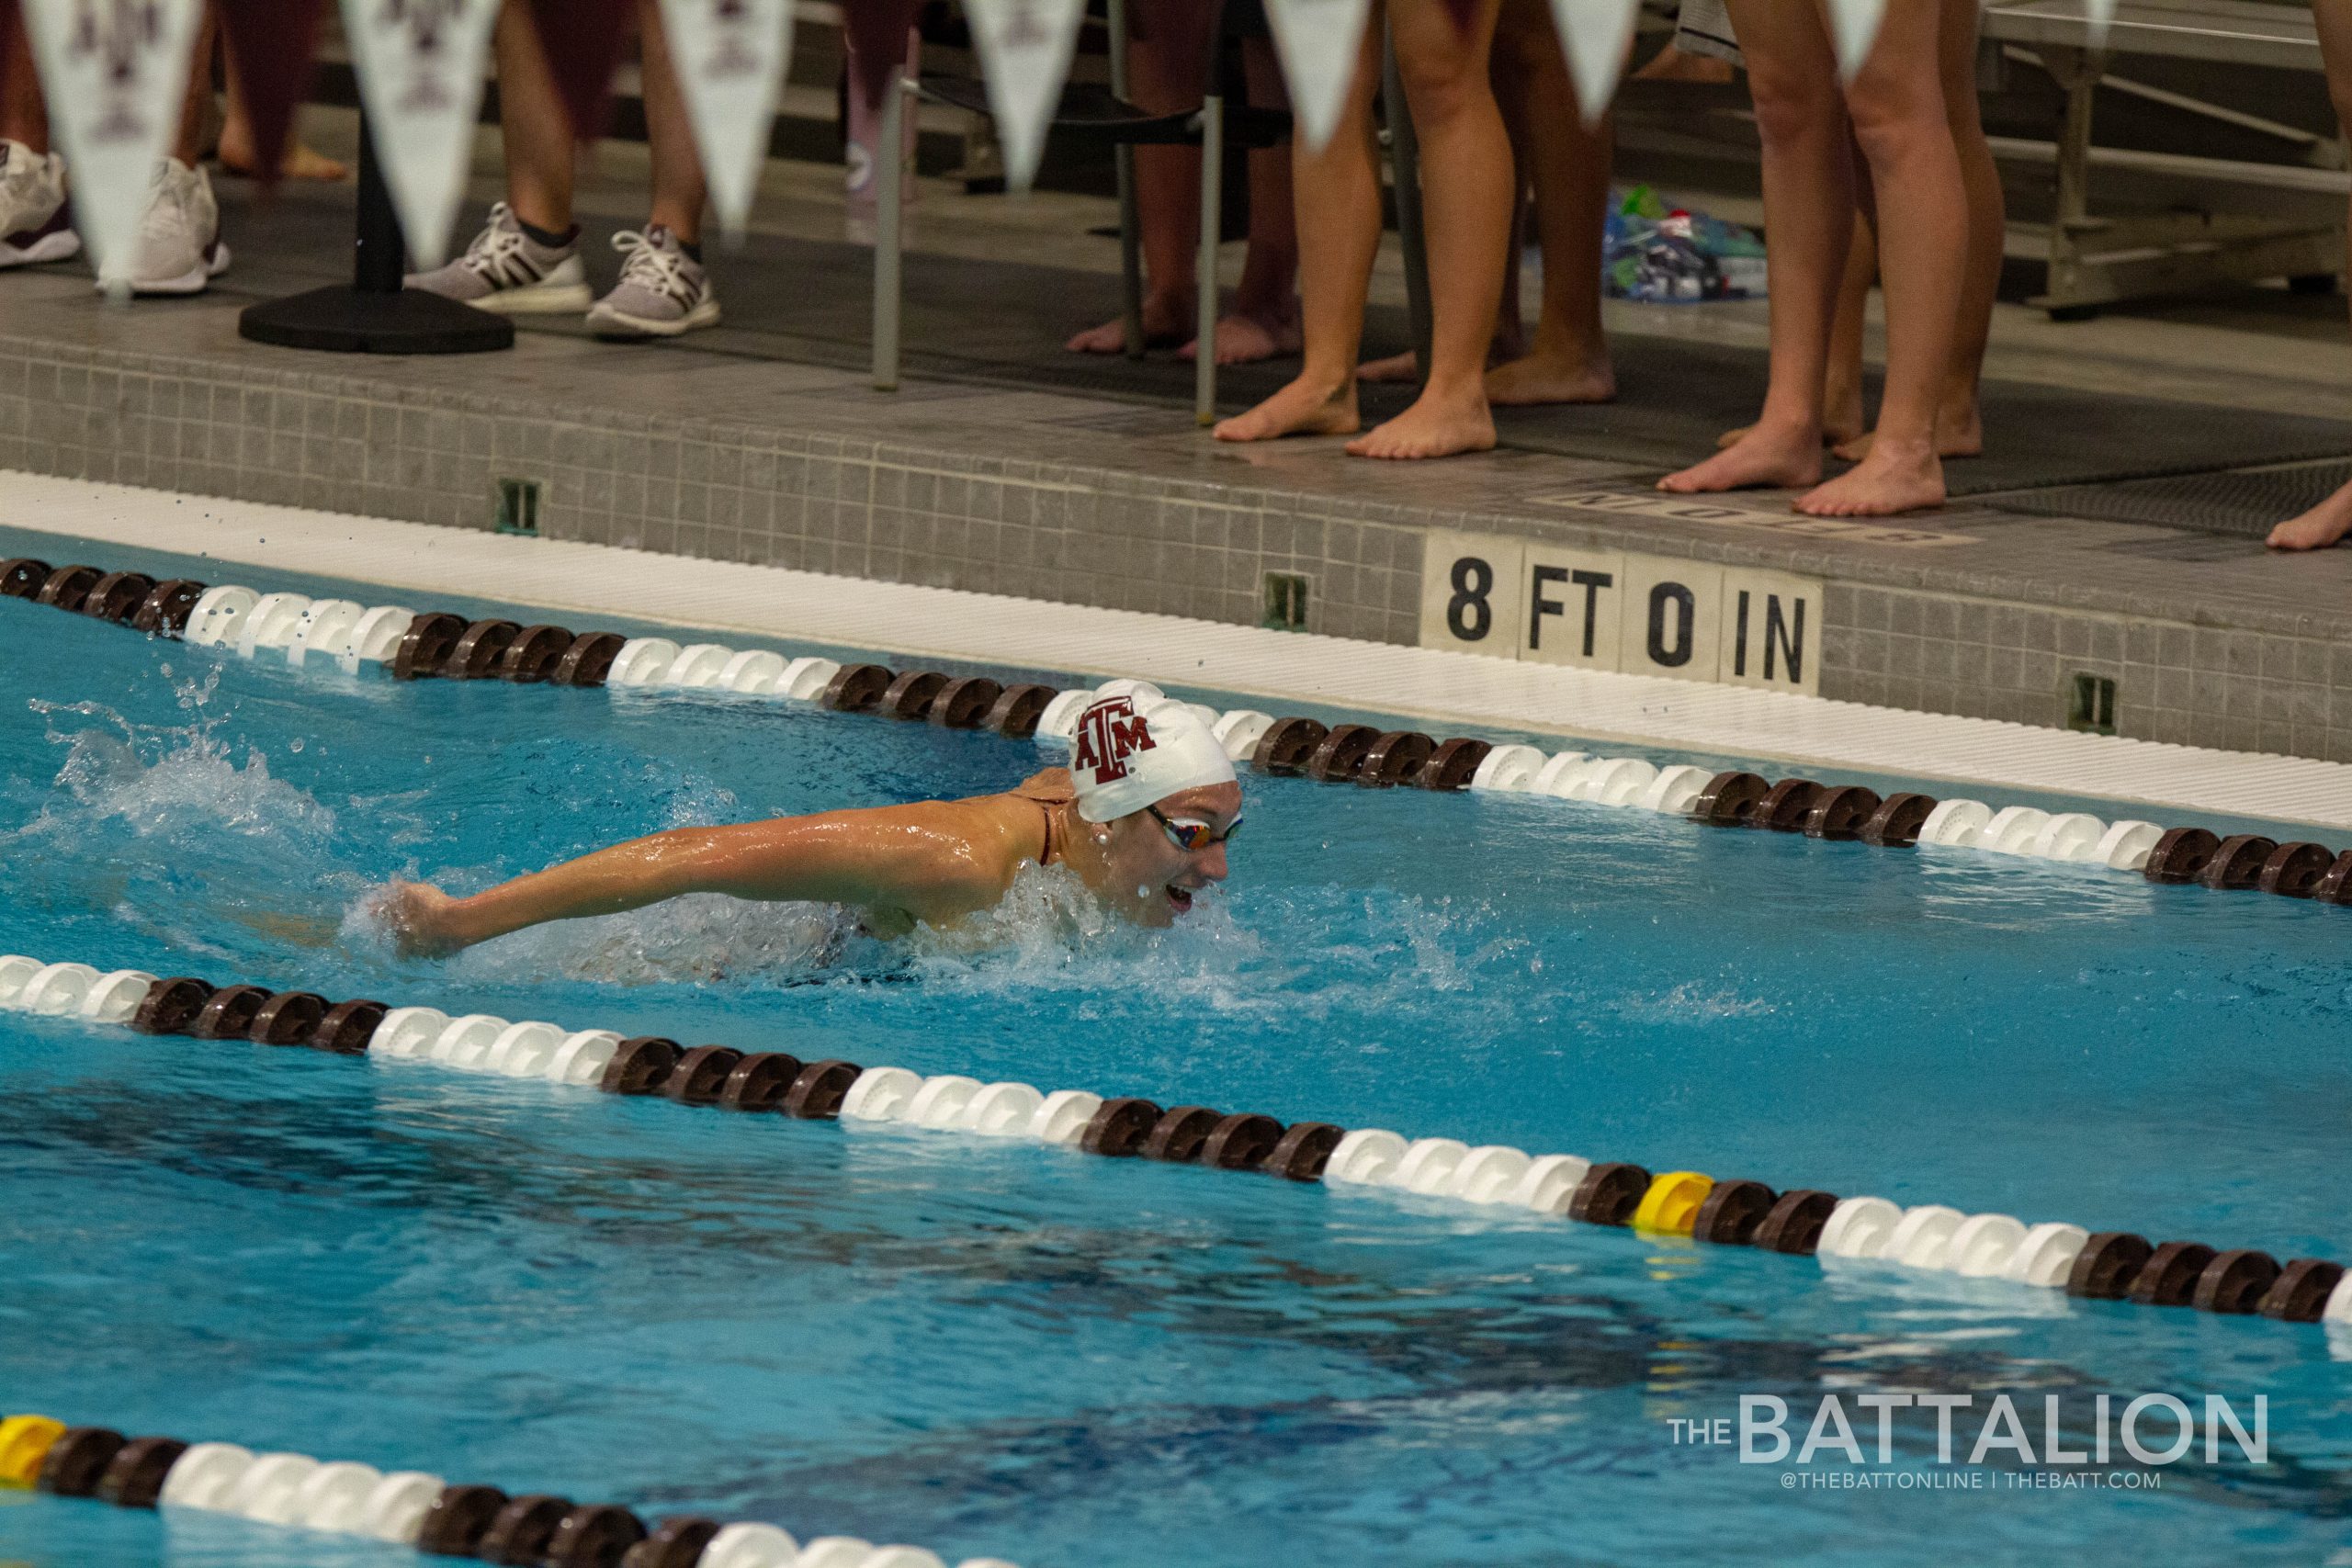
column 1050, row 791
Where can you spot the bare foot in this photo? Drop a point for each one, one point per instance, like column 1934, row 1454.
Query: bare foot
column 1958, row 435
column 300, row 162
column 1167, row 321
column 1891, row 479
column 1760, row 459
column 1435, row 427
column 1671, row 65
column 1246, row 340
column 1298, row 408
column 1508, row 345
column 2322, row 525
column 1546, row 378
column 1841, row 420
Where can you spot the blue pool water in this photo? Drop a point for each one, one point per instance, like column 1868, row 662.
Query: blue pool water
column 1018, row 1351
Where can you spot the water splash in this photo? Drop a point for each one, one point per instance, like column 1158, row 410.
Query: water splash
column 1693, row 1003
column 170, row 780
column 704, row 938
column 1235, row 954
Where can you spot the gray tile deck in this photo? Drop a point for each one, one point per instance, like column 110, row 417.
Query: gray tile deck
column 1066, row 497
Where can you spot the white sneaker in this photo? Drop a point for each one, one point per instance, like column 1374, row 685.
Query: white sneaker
column 179, row 249
column 507, row 272
column 663, row 291
column 33, row 226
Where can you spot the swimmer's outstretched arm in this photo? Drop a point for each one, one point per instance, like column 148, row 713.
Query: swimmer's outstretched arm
column 918, row 859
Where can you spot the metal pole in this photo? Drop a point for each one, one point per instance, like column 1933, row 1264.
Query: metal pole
column 379, row 255
column 1130, row 234
column 1212, row 230
column 890, row 175
column 1406, row 152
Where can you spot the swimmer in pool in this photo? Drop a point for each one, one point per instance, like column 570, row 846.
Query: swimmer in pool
column 1142, row 815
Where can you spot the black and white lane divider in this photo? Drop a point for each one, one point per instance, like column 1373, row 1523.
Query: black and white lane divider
column 1841, row 1230
column 406, row 1507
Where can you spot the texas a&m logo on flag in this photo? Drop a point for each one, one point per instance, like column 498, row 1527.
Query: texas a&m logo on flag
column 1108, row 734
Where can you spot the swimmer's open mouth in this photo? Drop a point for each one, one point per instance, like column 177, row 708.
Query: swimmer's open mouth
column 1179, row 900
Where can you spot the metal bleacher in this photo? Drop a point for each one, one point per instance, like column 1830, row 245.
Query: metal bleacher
column 2101, row 260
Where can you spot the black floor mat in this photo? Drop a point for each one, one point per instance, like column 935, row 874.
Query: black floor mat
column 1003, row 322
column 2245, row 504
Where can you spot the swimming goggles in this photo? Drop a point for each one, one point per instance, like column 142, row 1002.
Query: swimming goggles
column 1189, row 836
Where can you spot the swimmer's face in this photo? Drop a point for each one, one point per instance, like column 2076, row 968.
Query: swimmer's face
column 1152, row 877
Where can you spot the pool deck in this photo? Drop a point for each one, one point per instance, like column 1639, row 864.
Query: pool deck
column 739, row 450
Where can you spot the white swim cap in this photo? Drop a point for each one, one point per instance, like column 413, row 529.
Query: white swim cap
column 1126, row 761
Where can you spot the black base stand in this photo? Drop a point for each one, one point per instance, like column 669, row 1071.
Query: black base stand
column 336, row 319
column 375, row 315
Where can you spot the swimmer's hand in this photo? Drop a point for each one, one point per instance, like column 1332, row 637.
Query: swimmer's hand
column 422, row 920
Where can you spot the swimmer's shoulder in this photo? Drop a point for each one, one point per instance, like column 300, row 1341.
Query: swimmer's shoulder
column 1054, row 786
column 1013, row 821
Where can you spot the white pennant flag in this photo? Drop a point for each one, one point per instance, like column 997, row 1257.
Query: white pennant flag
column 1853, row 29
column 114, row 72
column 1318, row 40
column 2102, row 16
column 420, row 65
column 1596, row 34
column 1024, row 52
column 731, row 57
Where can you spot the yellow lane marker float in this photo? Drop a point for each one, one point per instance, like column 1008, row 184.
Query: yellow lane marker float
column 25, row 1441
column 1671, row 1205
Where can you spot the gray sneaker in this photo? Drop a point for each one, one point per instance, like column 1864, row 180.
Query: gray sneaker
column 33, row 226
column 508, row 273
column 179, row 249
column 663, row 291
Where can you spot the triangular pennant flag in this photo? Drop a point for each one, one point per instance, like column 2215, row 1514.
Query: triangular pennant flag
column 877, row 42
column 1318, row 40
column 731, row 57
column 114, row 77
column 1024, row 49
column 1595, row 34
column 582, row 38
column 2101, row 13
column 420, row 71
column 1853, row 29
column 272, row 40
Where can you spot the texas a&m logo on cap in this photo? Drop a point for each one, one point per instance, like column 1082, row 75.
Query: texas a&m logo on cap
column 1108, row 734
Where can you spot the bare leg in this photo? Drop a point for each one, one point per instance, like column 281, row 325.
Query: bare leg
column 1405, row 367
column 2330, row 520
column 1842, row 418
column 1263, row 322
column 1467, row 207
column 1809, row 209
column 533, row 123
column 24, row 115
column 1337, row 197
column 1960, row 429
column 1167, row 63
column 1896, row 101
column 196, row 102
column 678, row 189
column 1569, row 166
column 1511, row 331
column 236, row 150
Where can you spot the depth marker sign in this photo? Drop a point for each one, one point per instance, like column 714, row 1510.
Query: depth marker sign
column 1600, row 609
